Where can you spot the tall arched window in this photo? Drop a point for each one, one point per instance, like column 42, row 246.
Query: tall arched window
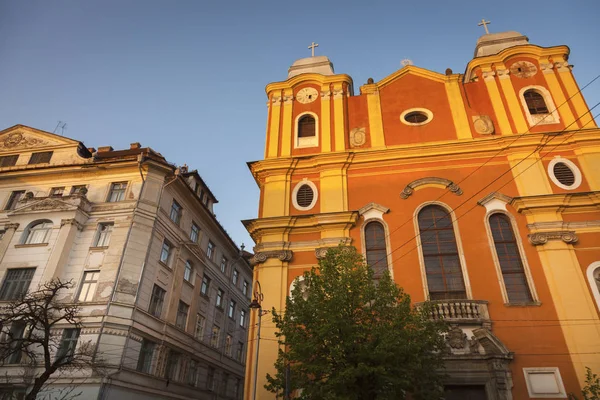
column 375, row 248
column 535, row 102
column 593, row 274
column 38, row 232
column 509, row 257
column 306, row 126
column 440, row 254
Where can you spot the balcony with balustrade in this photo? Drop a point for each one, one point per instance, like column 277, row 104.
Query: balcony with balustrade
column 461, row 312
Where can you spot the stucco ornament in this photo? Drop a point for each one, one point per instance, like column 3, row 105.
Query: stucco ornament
column 282, row 255
column 456, row 338
column 523, row 69
column 358, row 137
column 17, row 139
column 483, row 124
column 539, row 238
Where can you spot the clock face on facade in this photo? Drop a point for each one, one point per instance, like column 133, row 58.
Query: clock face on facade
column 523, row 69
column 307, row 95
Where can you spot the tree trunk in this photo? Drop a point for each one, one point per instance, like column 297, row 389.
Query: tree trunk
column 37, row 385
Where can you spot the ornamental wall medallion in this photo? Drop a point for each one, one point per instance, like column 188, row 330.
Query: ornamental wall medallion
column 17, row 139
column 483, row 124
column 523, row 69
column 358, row 137
column 456, row 338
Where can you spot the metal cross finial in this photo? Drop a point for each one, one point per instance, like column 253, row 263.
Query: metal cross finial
column 484, row 23
column 312, row 48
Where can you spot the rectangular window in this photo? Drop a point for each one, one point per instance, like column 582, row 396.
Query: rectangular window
column 103, row 234
column 16, row 283
column 214, row 338
column 88, row 286
column 210, row 250
column 13, row 200
column 210, row 379
column 156, row 301
column 8, row 161
column 234, row 277
column 172, row 368
column 205, row 285
column 40, row 158
column 16, row 331
column 219, row 298
column 245, row 288
column 194, row 233
column 165, row 253
column 187, row 273
column 67, row 344
column 117, row 192
column 200, row 323
column 240, row 351
column 228, row 344
column 224, row 384
column 182, row 313
column 145, row 358
column 231, row 312
column 78, row 189
column 57, row 191
column 243, row 318
column 192, row 373
column 175, row 214
column 236, row 388
column 224, row 265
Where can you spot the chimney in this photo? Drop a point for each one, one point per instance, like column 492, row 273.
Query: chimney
column 91, row 149
column 135, row 146
column 104, row 149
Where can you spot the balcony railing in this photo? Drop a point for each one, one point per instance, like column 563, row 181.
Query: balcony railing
column 460, row 311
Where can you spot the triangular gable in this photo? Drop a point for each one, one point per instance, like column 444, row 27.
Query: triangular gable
column 52, row 204
column 412, row 70
column 21, row 137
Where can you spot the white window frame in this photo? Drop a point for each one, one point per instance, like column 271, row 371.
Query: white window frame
column 592, row 281
column 572, row 166
column 188, row 271
column 105, row 236
column 425, row 111
column 111, row 187
column 499, row 207
column 303, row 182
column 305, row 142
column 28, row 231
column 374, row 212
column 540, row 119
column 544, row 370
column 89, row 285
column 459, row 246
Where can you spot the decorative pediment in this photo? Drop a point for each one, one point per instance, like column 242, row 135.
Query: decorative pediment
column 36, row 204
column 495, row 201
column 431, row 181
column 407, row 70
column 21, row 137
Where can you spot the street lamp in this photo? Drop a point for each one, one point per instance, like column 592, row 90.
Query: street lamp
column 256, row 304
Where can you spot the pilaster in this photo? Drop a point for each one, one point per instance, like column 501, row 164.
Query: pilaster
column 325, row 119
column 559, row 97
column 508, row 90
column 529, row 174
column 339, row 117
column 375, row 117
column 497, row 105
column 566, row 77
column 273, row 142
column 62, row 249
column 457, row 107
column 9, row 233
column 287, row 129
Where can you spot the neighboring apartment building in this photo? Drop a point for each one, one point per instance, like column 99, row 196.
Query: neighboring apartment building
column 478, row 191
column 164, row 290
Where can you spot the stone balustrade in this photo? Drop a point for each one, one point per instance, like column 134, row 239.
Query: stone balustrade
column 460, row 311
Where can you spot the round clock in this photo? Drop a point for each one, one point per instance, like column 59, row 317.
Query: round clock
column 307, row 95
column 523, row 69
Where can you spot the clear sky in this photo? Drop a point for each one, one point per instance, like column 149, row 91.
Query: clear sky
column 187, row 78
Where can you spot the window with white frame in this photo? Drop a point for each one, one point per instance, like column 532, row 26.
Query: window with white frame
column 210, row 250
column 88, row 286
column 593, row 275
column 14, row 198
column 304, row 195
column 205, row 285
column 176, row 210
column 188, row 271
column 307, row 130
column 245, row 288
column 220, row 294
column 117, row 192
column 194, row 232
column 231, row 312
column 165, row 252
column 156, row 301
column 103, row 234
column 564, row 173
column 200, row 324
column 57, row 191
column 182, row 313
column 224, row 265
column 234, row 277
column 544, row 382
column 538, row 106
column 243, row 318
column 16, row 283
column 38, row 232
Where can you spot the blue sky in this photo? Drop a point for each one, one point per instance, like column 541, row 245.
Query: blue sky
column 187, row 78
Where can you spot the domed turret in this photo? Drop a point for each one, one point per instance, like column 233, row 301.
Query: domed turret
column 494, row 43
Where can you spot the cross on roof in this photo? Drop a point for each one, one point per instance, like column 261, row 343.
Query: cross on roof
column 484, row 23
column 312, row 48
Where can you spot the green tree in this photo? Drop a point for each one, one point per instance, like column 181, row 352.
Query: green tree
column 591, row 390
column 346, row 336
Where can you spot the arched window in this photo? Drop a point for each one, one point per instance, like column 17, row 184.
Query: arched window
column 375, row 248
column 38, row 232
column 440, row 254
column 593, row 275
column 535, row 102
column 509, row 257
column 306, row 126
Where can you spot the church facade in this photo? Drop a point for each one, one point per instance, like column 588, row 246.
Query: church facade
column 478, row 191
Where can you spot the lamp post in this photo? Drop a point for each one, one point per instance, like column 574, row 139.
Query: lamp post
column 257, row 304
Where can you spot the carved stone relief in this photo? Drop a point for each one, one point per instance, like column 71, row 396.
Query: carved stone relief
column 358, row 137
column 483, row 124
column 539, row 238
column 18, row 140
column 451, row 186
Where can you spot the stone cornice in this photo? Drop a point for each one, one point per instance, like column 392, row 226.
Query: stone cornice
column 307, row 79
column 494, row 196
column 14, row 226
column 539, row 238
column 373, row 206
column 581, row 201
column 305, row 245
column 71, row 221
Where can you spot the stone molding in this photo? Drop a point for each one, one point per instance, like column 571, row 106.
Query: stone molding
column 325, row 94
column 71, row 221
column 373, row 206
column 539, row 238
column 282, row 255
column 451, row 186
column 14, row 226
column 321, row 252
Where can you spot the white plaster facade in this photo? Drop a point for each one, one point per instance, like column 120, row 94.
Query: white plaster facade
column 116, row 317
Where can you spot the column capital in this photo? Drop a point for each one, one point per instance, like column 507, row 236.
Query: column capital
column 71, row 221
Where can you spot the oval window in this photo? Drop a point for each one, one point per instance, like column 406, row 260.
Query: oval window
column 564, row 174
column 416, row 117
column 305, row 196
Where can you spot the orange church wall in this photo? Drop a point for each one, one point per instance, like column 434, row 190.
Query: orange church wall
column 358, row 117
column 477, row 102
column 411, row 91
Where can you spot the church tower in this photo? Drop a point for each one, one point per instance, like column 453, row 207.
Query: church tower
column 479, row 192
